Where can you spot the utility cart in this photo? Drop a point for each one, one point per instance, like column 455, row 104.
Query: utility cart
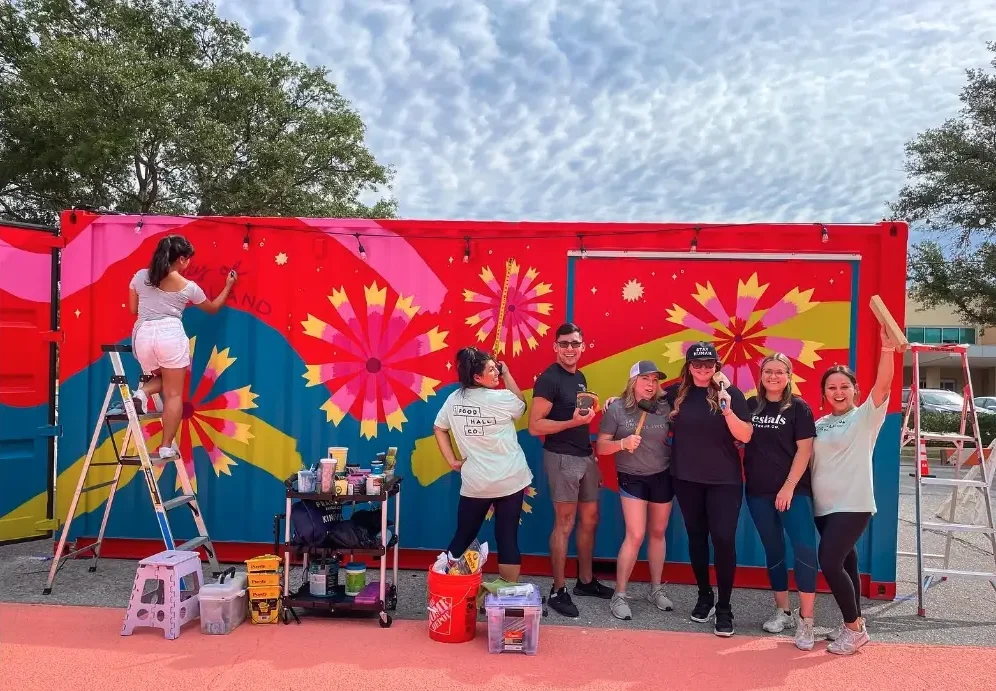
column 387, row 596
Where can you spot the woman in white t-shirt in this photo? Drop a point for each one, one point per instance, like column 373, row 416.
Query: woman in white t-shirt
column 843, row 491
column 157, row 297
column 493, row 471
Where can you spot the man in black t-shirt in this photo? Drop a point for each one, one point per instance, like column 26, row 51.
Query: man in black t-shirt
column 570, row 465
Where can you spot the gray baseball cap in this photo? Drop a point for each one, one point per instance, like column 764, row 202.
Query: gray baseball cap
column 644, row 367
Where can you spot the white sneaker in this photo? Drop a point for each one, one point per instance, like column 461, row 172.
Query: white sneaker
column 779, row 621
column 662, row 601
column 620, row 608
column 835, row 633
column 166, row 452
column 848, row 642
column 804, row 635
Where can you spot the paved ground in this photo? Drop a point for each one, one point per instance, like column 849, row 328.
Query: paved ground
column 959, row 612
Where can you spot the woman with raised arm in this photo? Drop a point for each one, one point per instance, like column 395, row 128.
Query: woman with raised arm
column 157, row 297
column 493, row 471
column 843, row 488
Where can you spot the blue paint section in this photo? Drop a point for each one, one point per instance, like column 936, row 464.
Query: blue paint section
column 569, row 292
column 23, row 455
column 882, row 534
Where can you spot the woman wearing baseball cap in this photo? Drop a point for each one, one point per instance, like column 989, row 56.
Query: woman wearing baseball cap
column 635, row 429
column 708, row 421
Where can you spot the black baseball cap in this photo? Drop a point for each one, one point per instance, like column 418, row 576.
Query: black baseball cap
column 701, row 351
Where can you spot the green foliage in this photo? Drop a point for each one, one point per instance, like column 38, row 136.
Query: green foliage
column 951, row 193
column 158, row 106
column 949, row 422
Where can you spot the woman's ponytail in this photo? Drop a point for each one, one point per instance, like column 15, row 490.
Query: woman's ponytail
column 169, row 249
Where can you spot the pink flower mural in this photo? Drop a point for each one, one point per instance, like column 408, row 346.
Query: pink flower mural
column 381, row 358
column 512, row 311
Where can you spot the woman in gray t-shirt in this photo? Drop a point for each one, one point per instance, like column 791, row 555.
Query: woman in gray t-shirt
column 635, row 429
column 157, row 297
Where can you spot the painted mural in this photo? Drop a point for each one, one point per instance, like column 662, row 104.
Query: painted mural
column 343, row 333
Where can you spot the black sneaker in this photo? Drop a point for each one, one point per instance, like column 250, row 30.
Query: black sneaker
column 593, row 589
column 724, row 621
column 561, row 603
column 704, row 609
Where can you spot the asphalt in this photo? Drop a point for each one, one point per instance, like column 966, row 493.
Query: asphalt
column 959, row 612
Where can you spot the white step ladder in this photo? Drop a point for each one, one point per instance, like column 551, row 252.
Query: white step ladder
column 982, row 483
column 144, row 460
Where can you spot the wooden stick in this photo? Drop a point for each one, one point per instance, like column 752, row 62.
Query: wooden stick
column 887, row 321
column 639, row 425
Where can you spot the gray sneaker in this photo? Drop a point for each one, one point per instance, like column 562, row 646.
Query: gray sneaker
column 779, row 621
column 834, row 634
column 662, row 601
column 848, row 642
column 620, row 608
column 804, row 636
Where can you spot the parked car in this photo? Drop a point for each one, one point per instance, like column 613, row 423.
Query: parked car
column 944, row 401
column 986, row 402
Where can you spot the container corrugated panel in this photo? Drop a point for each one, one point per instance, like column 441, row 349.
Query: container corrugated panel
column 322, row 346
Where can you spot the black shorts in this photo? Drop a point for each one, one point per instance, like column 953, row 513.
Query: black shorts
column 656, row 488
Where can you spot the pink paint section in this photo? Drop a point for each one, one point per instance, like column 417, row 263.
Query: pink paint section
column 789, row 346
column 744, row 307
column 391, row 256
column 25, row 274
column 717, row 310
column 779, row 313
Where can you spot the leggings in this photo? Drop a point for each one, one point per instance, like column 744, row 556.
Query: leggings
column 772, row 526
column 711, row 511
column 839, row 533
column 471, row 513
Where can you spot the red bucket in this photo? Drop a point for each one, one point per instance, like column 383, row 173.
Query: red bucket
column 453, row 607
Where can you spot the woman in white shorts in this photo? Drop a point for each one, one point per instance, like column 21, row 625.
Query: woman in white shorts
column 158, row 297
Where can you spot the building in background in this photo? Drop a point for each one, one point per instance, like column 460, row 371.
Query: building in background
column 939, row 371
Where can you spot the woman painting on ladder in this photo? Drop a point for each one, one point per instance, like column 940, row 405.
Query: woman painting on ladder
column 157, row 297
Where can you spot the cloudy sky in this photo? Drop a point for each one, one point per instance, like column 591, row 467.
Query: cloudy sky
column 644, row 110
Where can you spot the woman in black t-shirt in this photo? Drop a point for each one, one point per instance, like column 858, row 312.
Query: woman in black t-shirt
column 779, row 493
column 708, row 421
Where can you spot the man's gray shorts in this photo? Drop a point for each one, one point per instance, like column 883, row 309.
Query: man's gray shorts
column 572, row 478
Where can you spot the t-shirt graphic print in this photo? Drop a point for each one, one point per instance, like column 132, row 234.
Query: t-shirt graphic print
column 483, row 423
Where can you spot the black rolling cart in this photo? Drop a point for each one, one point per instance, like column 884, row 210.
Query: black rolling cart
column 340, row 602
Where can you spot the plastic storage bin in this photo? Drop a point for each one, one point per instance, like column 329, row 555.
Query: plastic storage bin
column 225, row 604
column 514, row 622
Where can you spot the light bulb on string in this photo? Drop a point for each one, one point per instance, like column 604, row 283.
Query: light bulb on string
column 138, row 226
column 466, row 250
column 359, row 245
column 695, row 241
column 824, row 234
column 584, row 252
column 245, row 240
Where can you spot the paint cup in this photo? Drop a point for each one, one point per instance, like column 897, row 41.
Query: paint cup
column 375, row 484
column 305, row 481
column 339, row 454
column 391, row 457
column 326, row 473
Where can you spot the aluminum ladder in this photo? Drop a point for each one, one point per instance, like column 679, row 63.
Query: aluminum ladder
column 983, row 483
column 143, row 459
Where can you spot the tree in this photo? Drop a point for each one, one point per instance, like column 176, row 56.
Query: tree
column 951, row 194
column 158, row 106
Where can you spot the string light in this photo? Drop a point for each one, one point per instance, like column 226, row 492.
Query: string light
column 584, row 252
column 824, row 234
column 138, row 226
column 245, row 240
column 695, row 241
column 359, row 245
column 466, row 250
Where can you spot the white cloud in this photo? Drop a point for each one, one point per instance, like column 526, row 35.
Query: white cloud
column 683, row 110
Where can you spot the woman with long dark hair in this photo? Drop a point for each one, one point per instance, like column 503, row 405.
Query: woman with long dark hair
column 157, row 297
column 779, row 493
column 708, row 422
column 843, row 489
column 493, row 470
